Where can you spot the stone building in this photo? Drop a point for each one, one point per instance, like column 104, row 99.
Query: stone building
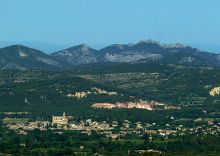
column 60, row 120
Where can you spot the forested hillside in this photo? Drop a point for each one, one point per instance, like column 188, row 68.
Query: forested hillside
column 54, row 92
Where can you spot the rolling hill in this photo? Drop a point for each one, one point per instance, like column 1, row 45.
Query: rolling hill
column 18, row 57
column 48, row 93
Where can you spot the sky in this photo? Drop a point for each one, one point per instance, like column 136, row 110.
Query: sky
column 101, row 22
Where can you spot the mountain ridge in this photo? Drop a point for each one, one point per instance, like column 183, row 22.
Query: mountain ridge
column 23, row 57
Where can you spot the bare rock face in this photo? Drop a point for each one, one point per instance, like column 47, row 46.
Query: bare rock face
column 131, row 57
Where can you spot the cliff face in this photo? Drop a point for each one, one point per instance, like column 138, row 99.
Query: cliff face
column 215, row 91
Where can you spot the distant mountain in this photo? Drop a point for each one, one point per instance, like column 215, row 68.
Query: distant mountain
column 214, row 48
column 81, row 54
column 142, row 52
column 42, row 46
column 184, row 55
column 150, row 51
column 132, row 52
column 21, row 57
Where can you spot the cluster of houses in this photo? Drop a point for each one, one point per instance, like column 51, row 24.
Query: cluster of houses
column 148, row 105
column 60, row 123
column 23, row 128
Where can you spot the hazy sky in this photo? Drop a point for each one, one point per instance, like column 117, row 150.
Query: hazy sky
column 110, row 21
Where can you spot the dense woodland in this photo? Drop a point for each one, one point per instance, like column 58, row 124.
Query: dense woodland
column 45, row 92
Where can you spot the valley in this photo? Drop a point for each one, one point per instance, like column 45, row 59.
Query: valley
column 30, row 98
column 112, row 108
